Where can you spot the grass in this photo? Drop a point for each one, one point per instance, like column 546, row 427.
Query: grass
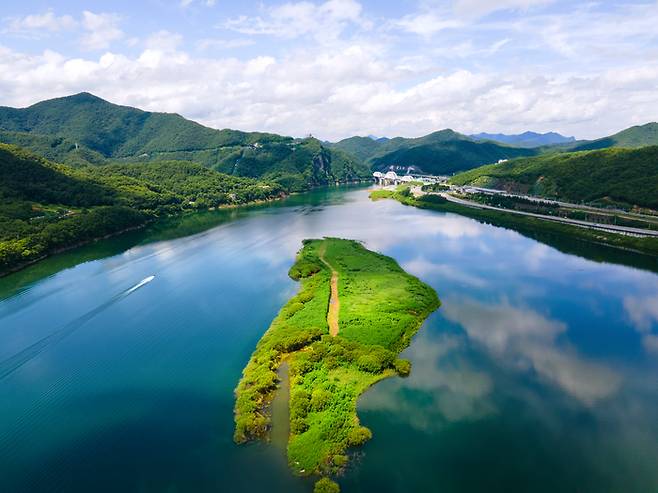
column 524, row 224
column 381, row 308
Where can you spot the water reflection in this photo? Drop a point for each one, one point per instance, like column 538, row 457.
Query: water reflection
column 444, row 386
column 536, row 373
column 643, row 312
column 525, row 340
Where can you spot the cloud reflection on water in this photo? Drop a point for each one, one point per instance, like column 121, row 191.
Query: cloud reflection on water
column 525, row 340
column 443, row 386
column 643, row 312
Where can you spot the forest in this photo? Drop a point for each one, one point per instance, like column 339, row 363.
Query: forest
column 47, row 207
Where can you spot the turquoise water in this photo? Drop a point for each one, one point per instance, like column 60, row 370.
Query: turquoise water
column 538, row 373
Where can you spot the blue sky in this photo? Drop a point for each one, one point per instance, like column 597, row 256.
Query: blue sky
column 337, row 68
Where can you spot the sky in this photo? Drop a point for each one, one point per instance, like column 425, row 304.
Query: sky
column 338, row 68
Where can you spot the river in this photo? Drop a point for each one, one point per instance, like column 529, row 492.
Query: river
column 538, row 373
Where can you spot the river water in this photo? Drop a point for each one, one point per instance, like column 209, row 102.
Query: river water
column 538, row 373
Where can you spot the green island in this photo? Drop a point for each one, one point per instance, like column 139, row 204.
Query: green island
column 332, row 358
column 529, row 226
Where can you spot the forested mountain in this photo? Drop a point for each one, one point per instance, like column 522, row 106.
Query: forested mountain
column 46, row 207
column 442, row 152
column 86, row 129
column 119, row 131
column 360, row 147
column 634, row 137
column 53, row 148
column 608, row 176
column 526, row 139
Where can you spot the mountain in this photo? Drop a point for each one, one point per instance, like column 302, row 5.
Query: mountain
column 526, row 139
column 53, row 148
column 627, row 177
column 442, row 152
column 118, row 131
column 85, row 128
column 360, row 147
column 634, row 137
column 46, row 207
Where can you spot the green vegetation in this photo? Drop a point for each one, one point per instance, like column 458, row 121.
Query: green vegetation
column 49, row 207
column 381, row 308
column 530, row 226
column 634, row 137
column 84, row 129
column 440, row 153
column 326, row 485
column 535, row 206
column 620, row 177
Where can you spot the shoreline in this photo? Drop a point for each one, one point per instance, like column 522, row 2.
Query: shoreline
column 646, row 246
column 154, row 220
column 68, row 248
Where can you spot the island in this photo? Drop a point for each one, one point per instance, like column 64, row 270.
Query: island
column 355, row 311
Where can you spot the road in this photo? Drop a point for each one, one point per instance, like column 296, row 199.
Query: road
column 574, row 222
column 569, row 205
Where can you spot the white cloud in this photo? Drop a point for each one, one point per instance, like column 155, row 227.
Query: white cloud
column 479, row 8
column 36, row 24
column 164, row 41
column 426, row 23
column 332, row 73
column 423, row 268
column 452, row 390
column 643, row 312
column 102, row 29
column 207, row 3
column 323, row 21
column 334, row 95
column 224, row 44
column 526, row 340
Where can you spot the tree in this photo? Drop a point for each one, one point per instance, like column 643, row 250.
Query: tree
column 326, row 485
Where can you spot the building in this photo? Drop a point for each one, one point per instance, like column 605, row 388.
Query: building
column 390, row 178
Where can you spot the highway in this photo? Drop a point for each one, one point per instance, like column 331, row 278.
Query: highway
column 574, row 222
column 570, row 205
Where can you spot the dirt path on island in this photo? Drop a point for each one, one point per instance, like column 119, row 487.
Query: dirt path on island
column 334, row 301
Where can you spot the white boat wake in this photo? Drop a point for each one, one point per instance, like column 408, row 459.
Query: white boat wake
column 141, row 283
column 14, row 362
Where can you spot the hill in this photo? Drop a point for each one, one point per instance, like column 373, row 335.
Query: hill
column 610, row 176
column 442, row 152
column 47, row 207
column 53, row 148
column 634, row 137
column 526, row 139
column 84, row 128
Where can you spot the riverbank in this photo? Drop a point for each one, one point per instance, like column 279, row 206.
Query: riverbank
column 525, row 224
column 15, row 261
column 382, row 307
column 102, row 219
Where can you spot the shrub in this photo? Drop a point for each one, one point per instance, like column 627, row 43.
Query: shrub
column 326, row 485
column 403, row 367
column 359, row 436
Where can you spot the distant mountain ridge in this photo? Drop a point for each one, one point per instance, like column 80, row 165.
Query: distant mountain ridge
column 633, row 137
column 442, row 152
column 526, row 139
column 84, row 128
